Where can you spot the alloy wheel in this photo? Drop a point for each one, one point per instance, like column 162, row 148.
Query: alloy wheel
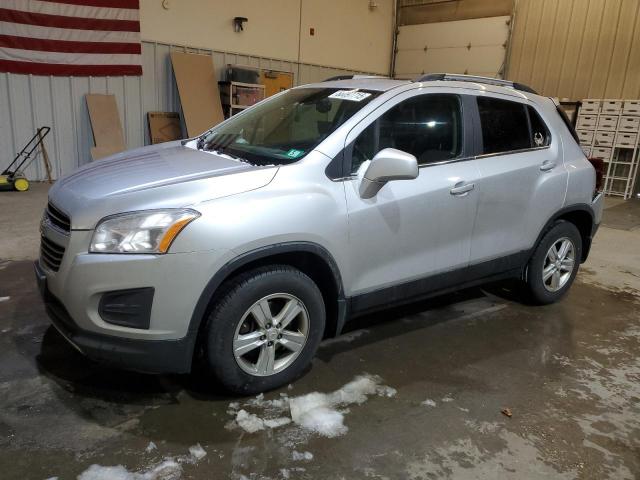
column 271, row 334
column 558, row 264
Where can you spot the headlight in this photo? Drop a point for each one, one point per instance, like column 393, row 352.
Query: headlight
column 150, row 231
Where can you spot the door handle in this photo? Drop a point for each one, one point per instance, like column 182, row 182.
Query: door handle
column 547, row 165
column 462, row 188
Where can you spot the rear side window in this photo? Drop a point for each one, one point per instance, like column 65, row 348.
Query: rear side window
column 540, row 136
column 428, row 126
column 504, row 125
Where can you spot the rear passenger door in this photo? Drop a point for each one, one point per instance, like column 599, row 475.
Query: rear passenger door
column 522, row 181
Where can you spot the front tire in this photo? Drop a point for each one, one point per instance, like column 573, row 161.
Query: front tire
column 264, row 330
column 554, row 264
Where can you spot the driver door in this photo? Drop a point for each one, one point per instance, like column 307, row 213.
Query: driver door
column 413, row 236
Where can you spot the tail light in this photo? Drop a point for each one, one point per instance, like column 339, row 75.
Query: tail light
column 598, row 165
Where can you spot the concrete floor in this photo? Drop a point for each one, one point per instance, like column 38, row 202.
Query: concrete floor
column 569, row 373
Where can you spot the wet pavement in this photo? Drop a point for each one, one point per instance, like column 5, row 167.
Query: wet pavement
column 569, row 373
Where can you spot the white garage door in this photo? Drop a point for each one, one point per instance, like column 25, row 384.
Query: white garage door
column 474, row 47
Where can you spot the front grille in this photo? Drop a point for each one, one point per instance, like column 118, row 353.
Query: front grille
column 57, row 218
column 50, row 254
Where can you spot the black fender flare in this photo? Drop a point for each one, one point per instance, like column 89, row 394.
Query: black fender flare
column 259, row 253
column 578, row 207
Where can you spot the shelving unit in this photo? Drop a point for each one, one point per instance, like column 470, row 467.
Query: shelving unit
column 236, row 96
column 610, row 130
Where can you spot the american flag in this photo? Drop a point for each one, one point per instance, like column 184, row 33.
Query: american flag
column 70, row 37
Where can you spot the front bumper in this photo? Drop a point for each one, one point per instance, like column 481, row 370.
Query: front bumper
column 150, row 356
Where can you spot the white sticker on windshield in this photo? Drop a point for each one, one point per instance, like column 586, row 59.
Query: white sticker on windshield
column 351, row 95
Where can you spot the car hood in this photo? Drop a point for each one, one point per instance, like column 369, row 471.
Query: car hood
column 168, row 175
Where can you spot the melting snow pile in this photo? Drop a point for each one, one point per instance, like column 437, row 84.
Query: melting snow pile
column 152, row 446
column 168, row 469
column 322, row 413
column 252, row 423
column 197, row 452
column 298, row 456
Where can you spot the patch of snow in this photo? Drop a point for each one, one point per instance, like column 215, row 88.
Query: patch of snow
column 447, row 399
column 317, row 411
column 276, row 422
column 323, row 420
column 276, row 404
column 4, row 299
column 166, row 470
column 428, row 403
column 321, row 413
column 197, row 451
column 152, row 446
column 285, row 473
column 249, row 422
column 298, row 456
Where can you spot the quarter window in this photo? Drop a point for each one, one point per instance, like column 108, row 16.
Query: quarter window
column 427, row 126
column 540, row 136
column 504, row 125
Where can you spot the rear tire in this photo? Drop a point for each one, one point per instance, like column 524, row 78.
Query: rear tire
column 264, row 330
column 554, row 264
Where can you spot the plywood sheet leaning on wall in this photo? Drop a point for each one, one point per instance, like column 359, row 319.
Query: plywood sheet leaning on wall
column 164, row 127
column 198, row 89
column 105, row 124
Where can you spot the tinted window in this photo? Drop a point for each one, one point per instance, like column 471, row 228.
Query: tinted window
column 427, row 126
column 539, row 132
column 504, row 125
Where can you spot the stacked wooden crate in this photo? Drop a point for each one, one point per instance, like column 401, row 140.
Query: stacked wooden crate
column 609, row 129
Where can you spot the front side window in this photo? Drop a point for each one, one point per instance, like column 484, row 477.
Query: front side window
column 283, row 129
column 504, row 125
column 426, row 126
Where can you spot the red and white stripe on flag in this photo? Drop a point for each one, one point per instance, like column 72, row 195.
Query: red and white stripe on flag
column 70, row 37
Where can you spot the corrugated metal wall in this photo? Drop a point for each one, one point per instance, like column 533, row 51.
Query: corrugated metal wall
column 577, row 48
column 27, row 102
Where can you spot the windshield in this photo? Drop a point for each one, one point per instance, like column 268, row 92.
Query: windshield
column 285, row 128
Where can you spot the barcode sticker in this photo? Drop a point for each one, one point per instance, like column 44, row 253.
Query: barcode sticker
column 351, row 95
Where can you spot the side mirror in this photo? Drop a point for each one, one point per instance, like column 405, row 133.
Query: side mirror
column 388, row 164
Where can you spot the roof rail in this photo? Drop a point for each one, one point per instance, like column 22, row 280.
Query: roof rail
column 477, row 79
column 355, row 77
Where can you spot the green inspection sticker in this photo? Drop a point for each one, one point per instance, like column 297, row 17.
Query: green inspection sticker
column 293, row 153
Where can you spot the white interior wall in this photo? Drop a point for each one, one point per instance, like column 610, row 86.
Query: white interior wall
column 29, row 101
column 348, row 34
column 272, row 30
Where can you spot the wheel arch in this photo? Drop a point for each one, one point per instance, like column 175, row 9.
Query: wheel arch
column 312, row 259
column 581, row 215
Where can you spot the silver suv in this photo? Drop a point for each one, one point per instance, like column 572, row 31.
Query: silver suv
column 244, row 247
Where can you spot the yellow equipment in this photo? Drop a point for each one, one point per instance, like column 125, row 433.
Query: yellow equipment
column 15, row 179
